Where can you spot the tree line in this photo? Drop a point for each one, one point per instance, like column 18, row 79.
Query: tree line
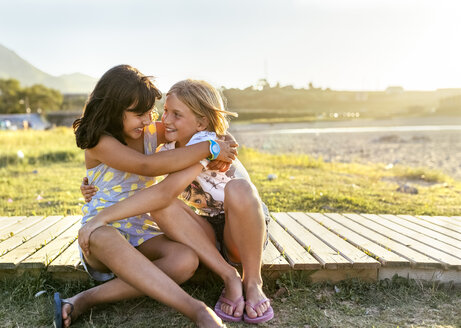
column 38, row 98
column 256, row 101
column 35, row 98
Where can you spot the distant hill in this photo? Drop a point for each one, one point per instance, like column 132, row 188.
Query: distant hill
column 13, row 66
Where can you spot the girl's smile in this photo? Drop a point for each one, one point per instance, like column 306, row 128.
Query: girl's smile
column 134, row 123
column 170, row 130
column 179, row 121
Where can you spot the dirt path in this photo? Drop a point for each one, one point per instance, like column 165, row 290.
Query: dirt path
column 434, row 149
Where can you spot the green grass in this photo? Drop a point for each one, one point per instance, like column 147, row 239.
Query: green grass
column 53, row 167
column 397, row 302
column 46, row 181
column 307, row 184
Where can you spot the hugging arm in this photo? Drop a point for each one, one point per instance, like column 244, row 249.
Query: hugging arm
column 118, row 156
column 150, row 199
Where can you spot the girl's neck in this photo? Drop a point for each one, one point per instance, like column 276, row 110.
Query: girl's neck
column 136, row 144
column 180, row 144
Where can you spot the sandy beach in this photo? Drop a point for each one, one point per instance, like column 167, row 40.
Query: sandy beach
column 424, row 142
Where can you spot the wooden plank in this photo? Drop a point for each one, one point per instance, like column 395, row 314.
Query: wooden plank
column 272, row 259
column 353, row 222
column 21, row 237
column 326, row 256
column 358, row 258
column 377, row 225
column 385, row 256
column 6, row 221
column 296, row 255
column 12, row 259
column 68, row 260
column 437, row 240
column 20, row 225
column 420, row 221
column 51, row 250
column 444, row 222
column 449, row 220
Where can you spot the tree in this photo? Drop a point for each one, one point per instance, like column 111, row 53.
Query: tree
column 14, row 99
column 42, row 97
column 10, row 97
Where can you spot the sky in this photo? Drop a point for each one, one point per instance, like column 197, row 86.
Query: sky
column 337, row 44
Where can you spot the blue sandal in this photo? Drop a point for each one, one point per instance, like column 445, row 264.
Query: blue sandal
column 58, row 303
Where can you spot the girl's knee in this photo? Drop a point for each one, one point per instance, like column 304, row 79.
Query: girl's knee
column 101, row 236
column 241, row 192
column 186, row 260
column 190, row 258
column 167, row 212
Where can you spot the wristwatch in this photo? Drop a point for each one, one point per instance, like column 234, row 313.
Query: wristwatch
column 214, row 150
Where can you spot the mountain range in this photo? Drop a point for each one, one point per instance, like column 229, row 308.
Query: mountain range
column 15, row 67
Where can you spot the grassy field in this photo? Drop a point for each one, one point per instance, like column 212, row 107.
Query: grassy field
column 46, row 181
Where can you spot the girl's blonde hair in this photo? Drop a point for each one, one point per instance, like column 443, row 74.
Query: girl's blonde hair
column 204, row 101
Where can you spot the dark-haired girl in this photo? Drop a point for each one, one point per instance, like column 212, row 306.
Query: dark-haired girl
column 116, row 132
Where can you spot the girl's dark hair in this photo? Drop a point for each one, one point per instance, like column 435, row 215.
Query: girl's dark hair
column 121, row 88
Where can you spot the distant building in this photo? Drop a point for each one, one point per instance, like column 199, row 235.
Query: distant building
column 394, row 90
column 23, row 121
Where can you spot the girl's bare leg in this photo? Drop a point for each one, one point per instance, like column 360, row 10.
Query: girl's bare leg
column 181, row 224
column 137, row 275
column 178, row 261
column 244, row 235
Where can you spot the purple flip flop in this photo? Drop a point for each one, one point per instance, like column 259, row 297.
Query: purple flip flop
column 268, row 315
column 225, row 316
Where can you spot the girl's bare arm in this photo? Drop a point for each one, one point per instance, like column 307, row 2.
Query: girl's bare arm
column 118, row 156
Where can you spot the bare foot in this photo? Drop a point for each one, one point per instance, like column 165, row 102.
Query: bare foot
column 233, row 291
column 206, row 318
column 254, row 294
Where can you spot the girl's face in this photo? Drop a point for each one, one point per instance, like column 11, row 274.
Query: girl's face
column 180, row 122
column 134, row 123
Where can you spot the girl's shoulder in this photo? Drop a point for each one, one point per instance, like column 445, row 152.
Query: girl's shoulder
column 150, row 138
column 151, row 129
column 107, row 146
column 105, row 142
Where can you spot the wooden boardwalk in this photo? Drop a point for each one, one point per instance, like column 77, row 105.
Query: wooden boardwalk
column 329, row 246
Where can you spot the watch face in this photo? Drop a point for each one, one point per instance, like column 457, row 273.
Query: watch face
column 215, row 148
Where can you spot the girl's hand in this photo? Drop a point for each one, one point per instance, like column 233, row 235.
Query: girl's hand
column 87, row 190
column 228, row 137
column 219, row 166
column 228, row 150
column 85, row 232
